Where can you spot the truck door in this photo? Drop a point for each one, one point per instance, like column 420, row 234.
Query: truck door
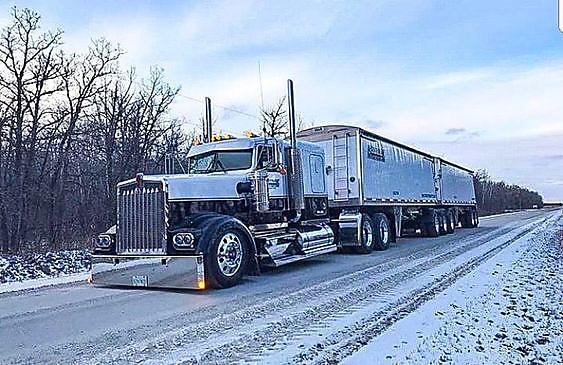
column 316, row 171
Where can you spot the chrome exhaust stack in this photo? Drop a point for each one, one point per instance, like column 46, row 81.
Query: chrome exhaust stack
column 208, row 123
column 294, row 173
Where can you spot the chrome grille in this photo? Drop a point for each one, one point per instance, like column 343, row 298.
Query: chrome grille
column 141, row 219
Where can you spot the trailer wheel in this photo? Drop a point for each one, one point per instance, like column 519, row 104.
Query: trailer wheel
column 227, row 257
column 382, row 236
column 432, row 226
column 475, row 219
column 443, row 224
column 467, row 219
column 367, row 237
column 450, row 221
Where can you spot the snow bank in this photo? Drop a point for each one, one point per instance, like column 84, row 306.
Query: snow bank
column 42, row 268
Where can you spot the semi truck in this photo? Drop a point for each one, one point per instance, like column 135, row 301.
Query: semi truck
column 249, row 203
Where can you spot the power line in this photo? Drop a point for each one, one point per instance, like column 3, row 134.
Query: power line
column 201, row 101
column 221, row 107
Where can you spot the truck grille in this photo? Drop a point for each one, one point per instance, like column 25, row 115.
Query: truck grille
column 141, row 219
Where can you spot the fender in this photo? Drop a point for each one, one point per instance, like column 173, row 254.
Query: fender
column 207, row 223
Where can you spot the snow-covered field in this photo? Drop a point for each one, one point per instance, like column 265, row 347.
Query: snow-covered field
column 509, row 310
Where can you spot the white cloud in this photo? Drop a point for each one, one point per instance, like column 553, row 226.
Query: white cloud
column 212, row 27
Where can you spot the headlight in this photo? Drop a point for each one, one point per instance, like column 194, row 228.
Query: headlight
column 104, row 241
column 183, row 241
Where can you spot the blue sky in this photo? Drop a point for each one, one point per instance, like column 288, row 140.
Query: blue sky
column 479, row 82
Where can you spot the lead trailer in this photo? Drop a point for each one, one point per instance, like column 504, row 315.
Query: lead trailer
column 376, row 184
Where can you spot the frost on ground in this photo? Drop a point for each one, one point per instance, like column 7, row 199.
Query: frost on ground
column 509, row 311
column 16, row 268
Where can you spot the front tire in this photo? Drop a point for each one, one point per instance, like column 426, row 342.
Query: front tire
column 227, row 257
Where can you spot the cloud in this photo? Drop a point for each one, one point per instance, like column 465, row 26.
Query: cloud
column 455, row 131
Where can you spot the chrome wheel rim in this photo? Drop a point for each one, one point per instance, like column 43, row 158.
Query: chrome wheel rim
column 384, row 230
column 367, row 233
column 229, row 254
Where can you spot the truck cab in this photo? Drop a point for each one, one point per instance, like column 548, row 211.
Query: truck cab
column 232, row 211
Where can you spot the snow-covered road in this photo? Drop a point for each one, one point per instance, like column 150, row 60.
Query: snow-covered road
column 373, row 308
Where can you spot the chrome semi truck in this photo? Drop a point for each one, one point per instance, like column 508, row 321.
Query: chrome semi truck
column 248, row 203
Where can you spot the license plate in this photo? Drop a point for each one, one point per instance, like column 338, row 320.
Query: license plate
column 140, row 280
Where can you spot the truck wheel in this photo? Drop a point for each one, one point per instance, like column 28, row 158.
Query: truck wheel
column 382, row 236
column 367, row 230
column 466, row 219
column 450, row 219
column 475, row 220
column 227, row 257
column 432, row 227
column 443, row 224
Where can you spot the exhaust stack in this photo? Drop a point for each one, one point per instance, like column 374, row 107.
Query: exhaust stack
column 208, row 124
column 294, row 173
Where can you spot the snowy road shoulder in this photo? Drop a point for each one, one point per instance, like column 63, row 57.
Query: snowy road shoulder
column 43, row 282
column 509, row 309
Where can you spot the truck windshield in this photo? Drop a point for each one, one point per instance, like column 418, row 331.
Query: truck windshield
column 220, row 161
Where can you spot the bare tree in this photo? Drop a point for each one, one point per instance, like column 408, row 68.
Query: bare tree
column 274, row 119
column 30, row 63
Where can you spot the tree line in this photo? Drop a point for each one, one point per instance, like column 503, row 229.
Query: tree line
column 498, row 197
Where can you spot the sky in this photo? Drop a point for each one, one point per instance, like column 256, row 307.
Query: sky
column 477, row 82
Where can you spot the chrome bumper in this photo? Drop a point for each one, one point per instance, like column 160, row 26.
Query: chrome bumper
column 175, row 272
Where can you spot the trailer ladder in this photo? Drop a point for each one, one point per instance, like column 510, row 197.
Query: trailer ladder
column 340, row 165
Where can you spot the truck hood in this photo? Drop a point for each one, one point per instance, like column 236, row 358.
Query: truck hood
column 194, row 187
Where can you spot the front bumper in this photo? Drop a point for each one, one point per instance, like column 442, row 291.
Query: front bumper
column 175, row 272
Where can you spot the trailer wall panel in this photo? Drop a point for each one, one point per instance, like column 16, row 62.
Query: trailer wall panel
column 392, row 173
column 456, row 185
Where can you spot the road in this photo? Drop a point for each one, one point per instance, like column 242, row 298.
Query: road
column 312, row 311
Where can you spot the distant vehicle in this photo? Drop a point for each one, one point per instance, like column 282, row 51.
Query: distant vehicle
column 253, row 202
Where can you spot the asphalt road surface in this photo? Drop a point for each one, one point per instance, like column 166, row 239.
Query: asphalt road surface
column 279, row 316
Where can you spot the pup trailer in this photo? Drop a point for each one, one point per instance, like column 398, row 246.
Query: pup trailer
column 248, row 203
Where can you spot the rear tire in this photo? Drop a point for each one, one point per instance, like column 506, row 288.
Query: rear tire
column 466, row 219
column 450, row 219
column 432, row 225
column 475, row 220
column 382, row 236
column 227, row 257
column 443, row 224
column 367, row 238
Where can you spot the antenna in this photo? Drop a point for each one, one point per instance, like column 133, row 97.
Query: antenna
column 260, row 81
column 261, row 98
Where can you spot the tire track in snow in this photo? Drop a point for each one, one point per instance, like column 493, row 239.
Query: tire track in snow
column 345, row 343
